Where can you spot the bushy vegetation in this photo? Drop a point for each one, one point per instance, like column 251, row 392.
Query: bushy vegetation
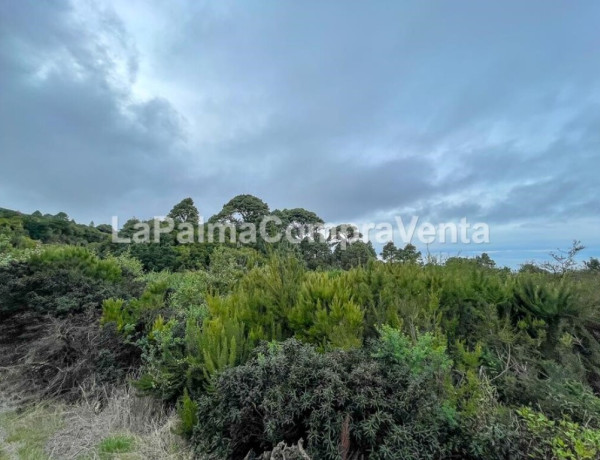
column 308, row 348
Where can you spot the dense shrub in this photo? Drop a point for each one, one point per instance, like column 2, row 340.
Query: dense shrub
column 562, row 439
column 60, row 281
column 398, row 398
column 325, row 312
column 393, row 401
column 189, row 333
column 50, row 309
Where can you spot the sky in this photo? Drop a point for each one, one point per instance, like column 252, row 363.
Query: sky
column 358, row 111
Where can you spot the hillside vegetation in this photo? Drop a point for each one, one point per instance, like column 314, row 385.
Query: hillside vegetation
column 303, row 350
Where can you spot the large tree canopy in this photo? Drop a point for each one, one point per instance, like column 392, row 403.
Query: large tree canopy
column 408, row 254
column 242, row 209
column 303, row 223
column 185, row 211
column 297, row 216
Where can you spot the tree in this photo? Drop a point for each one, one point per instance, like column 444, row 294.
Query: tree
column 105, row 228
column 564, row 260
column 389, row 252
column 343, row 234
column 593, row 264
column 129, row 228
column 531, row 267
column 409, row 254
column 316, row 254
column 242, row 209
column 156, row 257
column 484, row 260
column 185, row 211
column 354, row 255
column 303, row 223
column 297, row 216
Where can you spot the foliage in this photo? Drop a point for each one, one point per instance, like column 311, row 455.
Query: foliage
column 228, row 266
column 80, row 259
column 128, row 264
column 185, row 211
column 562, row 440
column 427, row 355
column 485, row 261
column 408, row 254
column 155, row 257
column 593, row 264
column 61, row 280
column 356, row 254
column 389, row 251
column 188, row 414
column 325, row 313
column 260, row 347
column 242, row 209
column 302, row 224
column 49, row 229
column 392, row 408
column 316, row 254
column 550, row 303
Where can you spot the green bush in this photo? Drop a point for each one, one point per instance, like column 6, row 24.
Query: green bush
column 77, row 259
column 60, row 281
column 326, row 314
column 393, row 407
column 489, row 354
column 562, row 440
column 188, row 414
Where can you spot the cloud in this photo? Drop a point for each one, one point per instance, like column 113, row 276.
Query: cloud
column 356, row 112
column 71, row 137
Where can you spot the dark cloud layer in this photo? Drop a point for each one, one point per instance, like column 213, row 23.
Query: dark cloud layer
column 353, row 110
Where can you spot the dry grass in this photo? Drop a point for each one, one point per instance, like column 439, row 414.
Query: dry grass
column 144, row 420
column 91, row 428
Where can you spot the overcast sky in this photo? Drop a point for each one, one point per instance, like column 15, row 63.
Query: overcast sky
column 359, row 111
